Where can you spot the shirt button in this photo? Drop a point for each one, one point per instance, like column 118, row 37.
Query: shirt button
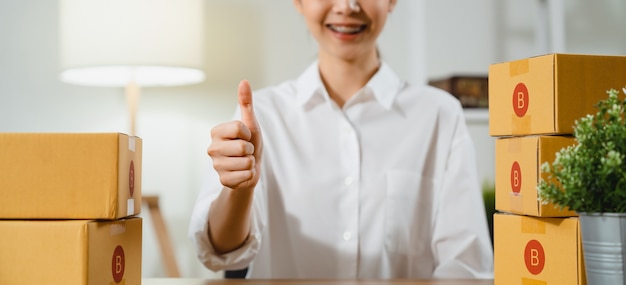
column 347, row 235
column 348, row 181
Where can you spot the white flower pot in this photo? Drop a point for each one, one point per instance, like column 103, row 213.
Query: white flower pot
column 604, row 247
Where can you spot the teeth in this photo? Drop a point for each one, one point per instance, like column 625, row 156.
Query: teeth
column 346, row 29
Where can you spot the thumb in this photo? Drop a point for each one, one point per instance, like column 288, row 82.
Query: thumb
column 245, row 103
column 249, row 119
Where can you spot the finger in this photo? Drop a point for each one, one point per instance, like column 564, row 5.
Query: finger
column 245, row 103
column 230, row 131
column 236, row 179
column 230, row 164
column 230, row 148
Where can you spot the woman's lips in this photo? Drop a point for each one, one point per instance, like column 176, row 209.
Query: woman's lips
column 346, row 29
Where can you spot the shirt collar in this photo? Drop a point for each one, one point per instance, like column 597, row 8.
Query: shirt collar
column 309, row 83
column 384, row 85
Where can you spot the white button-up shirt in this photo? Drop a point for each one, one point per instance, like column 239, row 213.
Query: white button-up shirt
column 385, row 187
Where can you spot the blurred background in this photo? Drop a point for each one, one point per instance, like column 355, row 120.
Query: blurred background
column 267, row 42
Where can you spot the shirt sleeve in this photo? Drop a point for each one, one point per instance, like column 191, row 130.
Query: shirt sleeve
column 198, row 231
column 461, row 241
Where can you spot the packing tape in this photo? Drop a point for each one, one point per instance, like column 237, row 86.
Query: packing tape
column 533, row 226
column 521, row 126
column 515, row 146
column 131, row 144
column 529, row 281
column 518, row 67
column 517, row 203
column 117, row 229
column 130, row 207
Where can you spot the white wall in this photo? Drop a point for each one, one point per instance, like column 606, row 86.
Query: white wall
column 265, row 42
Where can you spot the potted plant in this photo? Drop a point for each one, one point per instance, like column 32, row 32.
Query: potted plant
column 590, row 178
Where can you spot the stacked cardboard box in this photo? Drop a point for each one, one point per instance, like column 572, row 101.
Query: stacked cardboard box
column 533, row 104
column 68, row 208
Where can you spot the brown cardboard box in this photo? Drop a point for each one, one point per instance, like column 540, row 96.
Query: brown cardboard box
column 518, row 172
column 546, row 94
column 69, row 176
column 533, row 250
column 70, row 252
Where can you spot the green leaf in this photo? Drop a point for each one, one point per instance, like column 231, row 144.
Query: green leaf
column 591, row 175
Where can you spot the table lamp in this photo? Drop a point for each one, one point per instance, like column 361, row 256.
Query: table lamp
column 131, row 44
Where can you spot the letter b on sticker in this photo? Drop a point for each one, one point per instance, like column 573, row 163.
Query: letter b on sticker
column 131, row 178
column 520, row 100
column 534, row 257
column 118, row 264
column 516, row 178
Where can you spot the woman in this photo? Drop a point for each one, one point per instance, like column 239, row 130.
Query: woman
column 345, row 172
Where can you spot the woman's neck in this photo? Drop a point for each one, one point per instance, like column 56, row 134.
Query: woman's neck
column 344, row 78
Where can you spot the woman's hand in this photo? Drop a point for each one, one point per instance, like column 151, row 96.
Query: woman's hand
column 236, row 146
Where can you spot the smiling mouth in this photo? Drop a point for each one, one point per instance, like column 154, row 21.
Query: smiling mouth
column 347, row 29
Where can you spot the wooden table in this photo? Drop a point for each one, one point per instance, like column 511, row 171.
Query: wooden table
column 189, row 281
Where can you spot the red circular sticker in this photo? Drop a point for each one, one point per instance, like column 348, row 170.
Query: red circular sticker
column 516, row 178
column 534, row 257
column 117, row 264
column 520, row 100
column 131, row 178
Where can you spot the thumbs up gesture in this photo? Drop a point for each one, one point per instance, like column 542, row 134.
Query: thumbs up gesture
column 236, row 146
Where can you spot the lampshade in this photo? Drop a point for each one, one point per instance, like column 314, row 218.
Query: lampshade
column 147, row 42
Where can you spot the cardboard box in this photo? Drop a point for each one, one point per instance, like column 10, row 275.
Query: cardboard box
column 69, row 176
column 70, row 252
column 518, row 172
column 546, row 94
column 533, row 250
